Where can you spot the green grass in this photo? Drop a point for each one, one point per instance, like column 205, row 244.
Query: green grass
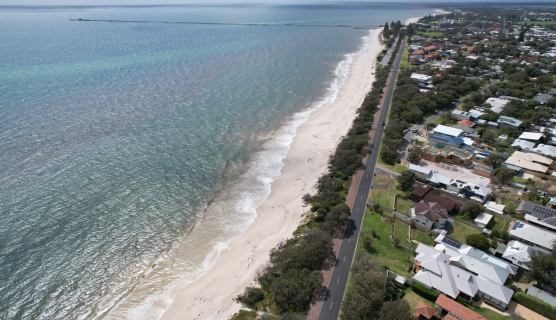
column 499, row 223
column 419, row 142
column 413, row 299
column 405, row 59
column 403, row 206
column 431, row 34
column 380, row 179
column 460, row 231
column 539, row 23
column 385, row 196
column 390, row 256
column 401, row 232
column 245, row 315
column 487, row 313
column 520, row 180
column 422, row 237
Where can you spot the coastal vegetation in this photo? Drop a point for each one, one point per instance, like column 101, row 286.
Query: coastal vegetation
column 292, row 277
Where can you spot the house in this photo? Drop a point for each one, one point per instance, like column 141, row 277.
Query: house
column 529, row 162
column 460, row 115
column 483, row 219
column 523, row 145
column 537, row 214
column 531, row 136
column 543, row 97
column 497, row 104
column 542, row 295
column 466, row 123
column 420, row 172
column 471, row 190
column 438, row 178
column 433, row 269
column 545, row 150
column 450, row 310
column 474, row 260
column 427, row 193
column 425, row 312
column 532, row 235
column 439, row 150
column 519, row 253
column 421, row 78
column 445, row 130
column 475, row 114
column 504, row 121
column 495, row 207
column 429, row 215
column 465, row 129
column 492, row 124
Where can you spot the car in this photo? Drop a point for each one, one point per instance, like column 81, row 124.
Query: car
column 414, row 130
column 455, row 193
column 383, row 123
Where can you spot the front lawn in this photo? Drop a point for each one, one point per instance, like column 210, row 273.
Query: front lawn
column 403, row 206
column 422, row 237
column 380, row 179
column 499, row 223
column 460, row 231
column 405, row 59
column 401, row 232
column 396, row 259
column 385, row 196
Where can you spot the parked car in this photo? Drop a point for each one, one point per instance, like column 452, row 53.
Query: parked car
column 414, row 130
column 383, row 123
column 455, row 193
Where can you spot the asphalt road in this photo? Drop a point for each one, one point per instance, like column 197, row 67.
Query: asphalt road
column 330, row 309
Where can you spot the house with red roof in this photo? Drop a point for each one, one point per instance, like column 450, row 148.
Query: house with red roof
column 449, row 309
column 425, row 312
column 466, row 123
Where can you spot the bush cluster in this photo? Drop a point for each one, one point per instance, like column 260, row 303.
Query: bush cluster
column 424, row 291
column 536, row 304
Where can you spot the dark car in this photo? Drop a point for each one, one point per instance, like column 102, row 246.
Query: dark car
column 383, row 123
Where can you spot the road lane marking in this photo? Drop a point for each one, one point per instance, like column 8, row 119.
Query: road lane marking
column 344, row 258
column 331, row 305
column 349, row 240
column 338, row 279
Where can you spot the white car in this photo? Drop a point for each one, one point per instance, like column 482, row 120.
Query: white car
column 455, row 193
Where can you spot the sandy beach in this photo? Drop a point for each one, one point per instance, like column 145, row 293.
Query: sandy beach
column 211, row 296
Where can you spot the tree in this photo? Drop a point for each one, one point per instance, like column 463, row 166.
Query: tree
column 337, row 217
column 414, row 155
column 388, row 155
column 494, row 160
column 294, row 290
column 542, row 267
column 396, row 310
column 505, row 235
column 472, row 208
column 367, row 241
column 504, row 174
column 406, row 180
column 478, row 240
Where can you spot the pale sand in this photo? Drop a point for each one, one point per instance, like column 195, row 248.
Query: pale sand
column 211, row 296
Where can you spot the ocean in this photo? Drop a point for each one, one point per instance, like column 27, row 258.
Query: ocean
column 132, row 153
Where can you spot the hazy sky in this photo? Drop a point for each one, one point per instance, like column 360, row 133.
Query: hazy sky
column 143, row 2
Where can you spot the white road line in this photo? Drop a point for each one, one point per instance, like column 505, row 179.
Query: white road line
column 349, row 240
column 338, row 280
column 331, row 305
column 344, row 258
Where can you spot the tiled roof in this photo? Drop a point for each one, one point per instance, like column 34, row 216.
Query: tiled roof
column 457, row 309
column 424, row 310
column 466, row 123
column 431, row 210
column 421, row 190
column 434, row 196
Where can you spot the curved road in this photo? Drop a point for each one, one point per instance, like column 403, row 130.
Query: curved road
column 330, row 309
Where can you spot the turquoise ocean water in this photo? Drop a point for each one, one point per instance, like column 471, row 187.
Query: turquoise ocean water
column 118, row 141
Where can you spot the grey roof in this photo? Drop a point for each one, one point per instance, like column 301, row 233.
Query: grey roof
column 523, row 144
column 461, row 113
column 510, row 121
column 420, row 169
column 545, row 150
column 437, row 272
column 464, row 128
column 491, row 123
column 539, row 212
column 532, row 234
column 519, row 253
column 543, row 97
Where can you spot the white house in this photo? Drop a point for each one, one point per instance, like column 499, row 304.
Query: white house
column 532, row 235
column 531, row 136
column 434, row 270
column 519, row 253
column 429, row 215
column 421, row 78
column 419, row 171
column 497, row 104
column 483, row 219
column 460, row 115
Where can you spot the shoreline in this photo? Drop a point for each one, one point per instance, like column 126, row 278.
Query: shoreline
column 211, row 296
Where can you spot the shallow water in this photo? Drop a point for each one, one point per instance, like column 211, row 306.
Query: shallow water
column 118, row 140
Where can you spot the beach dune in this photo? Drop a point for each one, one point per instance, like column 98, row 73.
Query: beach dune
column 212, row 295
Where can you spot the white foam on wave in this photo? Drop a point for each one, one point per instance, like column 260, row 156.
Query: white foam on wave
column 265, row 168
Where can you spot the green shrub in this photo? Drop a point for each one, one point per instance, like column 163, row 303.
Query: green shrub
column 425, row 292
column 536, row 305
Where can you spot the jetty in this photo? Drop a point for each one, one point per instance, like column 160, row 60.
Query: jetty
column 362, row 27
